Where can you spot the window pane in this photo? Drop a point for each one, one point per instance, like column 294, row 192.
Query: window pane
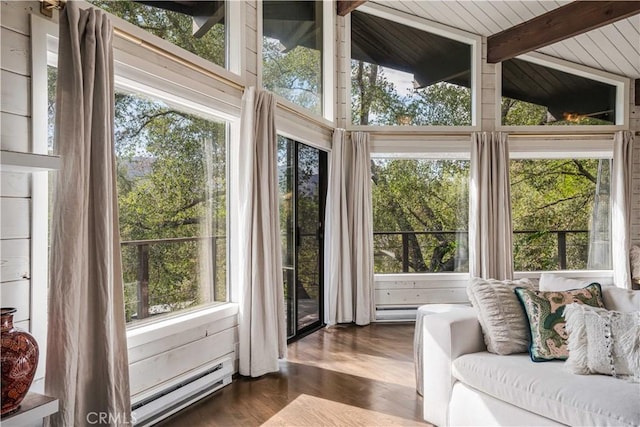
column 198, row 27
column 420, row 215
column 533, row 94
column 560, row 211
column 404, row 76
column 292, row 51
column 171, row 174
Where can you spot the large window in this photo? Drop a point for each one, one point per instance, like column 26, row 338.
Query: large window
column 172, row 198
column 420, row 215
column 292, row 51
column 560, row 211
column 172, row 187
column 538, row 95
column 196, row 26
column 402, row 75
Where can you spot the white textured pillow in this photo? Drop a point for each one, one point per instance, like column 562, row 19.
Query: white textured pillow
column 635, row 262
column 501, row 316
column 555, row 283
column 620, row 299
column 603, row 342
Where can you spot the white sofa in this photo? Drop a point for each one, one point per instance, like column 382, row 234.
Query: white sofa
column 466, row 385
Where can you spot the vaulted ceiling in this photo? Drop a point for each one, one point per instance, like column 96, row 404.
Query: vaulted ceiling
column 614, row 47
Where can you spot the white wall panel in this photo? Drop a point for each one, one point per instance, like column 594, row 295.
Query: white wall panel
column 14, row 218
column 15, row 93
column 16, row 294
column 14, row 260
column 16, row 52
column 15, row 132
column 160, row 368
column 15, row 184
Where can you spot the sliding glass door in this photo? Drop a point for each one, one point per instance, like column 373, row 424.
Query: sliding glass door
column 302, row 182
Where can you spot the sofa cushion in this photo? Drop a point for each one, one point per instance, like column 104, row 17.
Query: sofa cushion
column 619, row 299
column 544, row 311
column 603, row 341
column 503, row 321
column 549, row 390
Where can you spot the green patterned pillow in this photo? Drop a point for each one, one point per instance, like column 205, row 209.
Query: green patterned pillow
column 546, row 323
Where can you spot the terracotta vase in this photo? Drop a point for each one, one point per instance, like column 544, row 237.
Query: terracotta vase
column 19, row 360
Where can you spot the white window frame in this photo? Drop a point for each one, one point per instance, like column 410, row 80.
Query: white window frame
column 178, row 88
column 622, row 85
column 328, row 65
column 422, row 146
column 541, row 147
column 474, row 40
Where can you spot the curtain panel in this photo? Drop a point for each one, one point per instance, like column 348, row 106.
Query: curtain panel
column 621, row 193
column 87, row 367
column 490, row 253
column 349, row 232
column 261, row 320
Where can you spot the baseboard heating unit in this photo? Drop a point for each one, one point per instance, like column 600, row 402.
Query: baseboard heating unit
column 149, row 410
column 396, row 313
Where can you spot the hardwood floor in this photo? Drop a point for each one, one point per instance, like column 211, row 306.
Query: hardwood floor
column 348, row 375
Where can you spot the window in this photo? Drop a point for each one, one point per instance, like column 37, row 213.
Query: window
column 292, row 52
column 171, row 168
column 172, row 188
column 560, row 213
column 198, row 27
column 534, row 94
column 401, row 75
column 420, row 215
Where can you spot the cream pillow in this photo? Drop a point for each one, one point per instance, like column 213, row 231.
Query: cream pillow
column 603, row 342
column 501, row 316
column 635, row 262
column 620, row 299
column 555, row 283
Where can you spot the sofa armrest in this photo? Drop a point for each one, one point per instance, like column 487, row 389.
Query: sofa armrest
column 446, row 336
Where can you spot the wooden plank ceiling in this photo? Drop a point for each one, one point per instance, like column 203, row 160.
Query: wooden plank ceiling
column 614, row 47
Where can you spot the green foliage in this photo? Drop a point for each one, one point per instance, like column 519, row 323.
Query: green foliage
column 295, row 75
column 171, row 26
column 420, row 196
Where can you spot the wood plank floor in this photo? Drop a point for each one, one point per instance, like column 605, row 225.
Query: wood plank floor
column 342, row 375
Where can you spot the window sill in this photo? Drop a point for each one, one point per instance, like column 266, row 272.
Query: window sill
column 407, row 277
column 144, row 334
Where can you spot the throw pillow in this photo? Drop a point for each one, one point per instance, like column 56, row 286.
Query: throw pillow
column 603, row 342
column 546, row 324
column 553, row 282
column 620, row 299
column 635, row 262
column 504, row 324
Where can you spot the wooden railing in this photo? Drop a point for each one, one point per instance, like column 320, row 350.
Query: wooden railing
column 142, row 263
column 561, row 242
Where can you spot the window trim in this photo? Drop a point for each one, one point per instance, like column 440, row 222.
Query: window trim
column 474, row 40
column 621, row 83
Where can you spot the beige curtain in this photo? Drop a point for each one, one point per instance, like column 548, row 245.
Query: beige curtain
column 262, row 325
column 490, row 253
column 337, row 243
column 349, row 232
column 87, row 367
column 621, row 175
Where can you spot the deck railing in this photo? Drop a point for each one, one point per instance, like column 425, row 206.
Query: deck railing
column 142, row 249
column 561, row 242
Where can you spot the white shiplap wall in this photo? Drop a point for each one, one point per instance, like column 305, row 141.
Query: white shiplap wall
column 15, row 189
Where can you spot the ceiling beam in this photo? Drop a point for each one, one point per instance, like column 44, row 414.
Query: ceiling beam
column 345, row 7
column 558, row 24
